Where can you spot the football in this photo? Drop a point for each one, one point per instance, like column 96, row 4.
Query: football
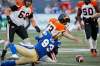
column 79, row 58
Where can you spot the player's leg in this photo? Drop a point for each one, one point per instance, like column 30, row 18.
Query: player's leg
column 12, row 30
column 28, row 56
column 88, row 32
column 11, row 38
column 23, row 34
column 94, row 37
column 20, row 61
column 5, row 43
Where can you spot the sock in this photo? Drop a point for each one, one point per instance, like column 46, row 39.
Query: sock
column 90, row 43
column 12, row 48
column 8, row 63
column 94, row 44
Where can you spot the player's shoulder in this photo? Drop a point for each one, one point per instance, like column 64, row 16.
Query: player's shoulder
column 53, row 20
column 80, row 4
column 94, row 3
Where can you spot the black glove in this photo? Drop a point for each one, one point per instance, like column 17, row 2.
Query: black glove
column 37, row 29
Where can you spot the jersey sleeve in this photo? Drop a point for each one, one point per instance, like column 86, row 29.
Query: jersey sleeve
column 80, row 4
column 14, row 8
column 94, row 3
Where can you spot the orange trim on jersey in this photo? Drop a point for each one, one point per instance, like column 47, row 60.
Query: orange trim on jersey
column 58, row 26
column 81, row 3
column 94, row 3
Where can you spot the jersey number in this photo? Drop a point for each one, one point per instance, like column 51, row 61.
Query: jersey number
column 88, row 11
column 51, row 27
column 45, row 44
column 23, row 15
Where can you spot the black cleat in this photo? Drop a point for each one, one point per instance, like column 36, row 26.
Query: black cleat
column 94, row 52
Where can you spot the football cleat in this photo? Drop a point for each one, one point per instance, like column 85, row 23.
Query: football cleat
column 93, row 52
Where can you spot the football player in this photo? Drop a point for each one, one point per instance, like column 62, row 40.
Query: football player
column 87, row 12
column 34, row 53
column 18, row 16
column 58, row 28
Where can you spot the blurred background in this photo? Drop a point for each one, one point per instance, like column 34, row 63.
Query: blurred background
column 44, row 9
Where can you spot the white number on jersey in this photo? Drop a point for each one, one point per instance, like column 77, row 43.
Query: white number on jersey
column 50, row 27
column 45, row 43
column 23, row 15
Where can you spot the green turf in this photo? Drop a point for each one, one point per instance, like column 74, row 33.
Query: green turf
column 68, row 58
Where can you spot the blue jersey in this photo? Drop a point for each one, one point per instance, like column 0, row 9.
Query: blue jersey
column 45, row 44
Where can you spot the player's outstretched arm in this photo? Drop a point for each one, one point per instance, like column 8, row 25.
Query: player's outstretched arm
column 69, row 36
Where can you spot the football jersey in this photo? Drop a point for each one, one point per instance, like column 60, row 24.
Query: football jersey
column 45, row 44
column 20, row 16
column 55, row 27
column 88, row 10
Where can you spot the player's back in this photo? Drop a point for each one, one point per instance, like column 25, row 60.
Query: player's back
column 44, row 45
column 55, row 27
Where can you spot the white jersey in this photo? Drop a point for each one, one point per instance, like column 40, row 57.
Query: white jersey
column 20, row 16
column 88, row 10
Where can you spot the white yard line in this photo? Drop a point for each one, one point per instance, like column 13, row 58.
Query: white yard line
column 72, row 50
column 66, row 64
column 62, row 50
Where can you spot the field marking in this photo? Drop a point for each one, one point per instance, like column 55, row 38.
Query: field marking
column 69, row 64
column 62, row 50
column 72, row 50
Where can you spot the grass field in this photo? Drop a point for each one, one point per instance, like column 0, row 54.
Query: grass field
column 69, row 49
